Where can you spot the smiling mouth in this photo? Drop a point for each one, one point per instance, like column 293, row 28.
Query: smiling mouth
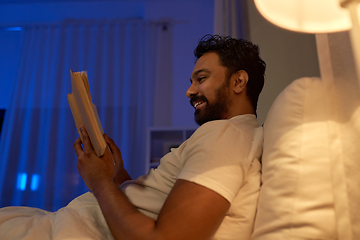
column 198, row 104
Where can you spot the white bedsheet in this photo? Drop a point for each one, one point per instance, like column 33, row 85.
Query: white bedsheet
column 80, row 219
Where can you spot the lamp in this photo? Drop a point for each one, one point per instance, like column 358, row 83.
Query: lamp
column 316, row 16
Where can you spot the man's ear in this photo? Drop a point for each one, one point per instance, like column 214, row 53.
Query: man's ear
column 241, row 79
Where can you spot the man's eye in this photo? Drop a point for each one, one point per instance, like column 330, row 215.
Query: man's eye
column 201, row 79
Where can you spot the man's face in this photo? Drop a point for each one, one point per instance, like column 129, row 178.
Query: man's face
column 209, row 90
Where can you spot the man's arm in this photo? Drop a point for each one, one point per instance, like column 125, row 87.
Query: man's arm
column 191, row 211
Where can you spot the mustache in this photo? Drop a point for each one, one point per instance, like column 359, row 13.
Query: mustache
column 197, row 99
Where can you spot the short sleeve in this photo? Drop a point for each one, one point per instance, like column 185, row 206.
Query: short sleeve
column 217, row 156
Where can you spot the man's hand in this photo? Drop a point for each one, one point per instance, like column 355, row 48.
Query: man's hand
column 94, row 170
column 120, row 174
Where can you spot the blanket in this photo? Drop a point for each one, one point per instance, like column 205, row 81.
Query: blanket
column 81, row 219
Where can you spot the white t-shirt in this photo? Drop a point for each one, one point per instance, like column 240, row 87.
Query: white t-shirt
column 221, row 155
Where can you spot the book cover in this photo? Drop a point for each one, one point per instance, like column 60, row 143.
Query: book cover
column 84, row 111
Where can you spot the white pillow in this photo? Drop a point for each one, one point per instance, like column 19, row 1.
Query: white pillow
column 296, row 198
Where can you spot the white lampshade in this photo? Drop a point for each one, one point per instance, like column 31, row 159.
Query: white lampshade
column 311, row 16
column 316, row 16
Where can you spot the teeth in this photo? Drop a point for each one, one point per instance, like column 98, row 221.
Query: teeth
column 197, row 104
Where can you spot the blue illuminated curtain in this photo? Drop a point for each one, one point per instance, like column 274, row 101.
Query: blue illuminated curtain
column 37, row 160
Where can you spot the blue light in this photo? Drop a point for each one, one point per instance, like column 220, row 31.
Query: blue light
column 21, row 183
column 34, row 182
column 12, row 29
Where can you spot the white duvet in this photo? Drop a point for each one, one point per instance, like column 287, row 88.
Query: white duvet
column 80, row 219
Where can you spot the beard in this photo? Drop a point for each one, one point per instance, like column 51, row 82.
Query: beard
column 213, row 111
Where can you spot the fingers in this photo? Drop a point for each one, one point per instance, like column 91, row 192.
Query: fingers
column 77, row 147
column 108, row 140
column 115, row 150
column 86, row 140
column 111, row 144
column 108, row 153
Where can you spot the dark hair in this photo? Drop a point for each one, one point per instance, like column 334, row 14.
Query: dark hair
column 237, row 54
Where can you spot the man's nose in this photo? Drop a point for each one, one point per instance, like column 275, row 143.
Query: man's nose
column 192, row 91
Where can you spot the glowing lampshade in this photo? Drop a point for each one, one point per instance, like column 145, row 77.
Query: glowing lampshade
column 311, row 16
column 316, row 16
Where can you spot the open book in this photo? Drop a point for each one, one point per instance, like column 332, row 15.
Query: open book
column 84, row 111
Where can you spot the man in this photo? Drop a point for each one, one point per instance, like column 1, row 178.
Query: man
column 208, row 187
